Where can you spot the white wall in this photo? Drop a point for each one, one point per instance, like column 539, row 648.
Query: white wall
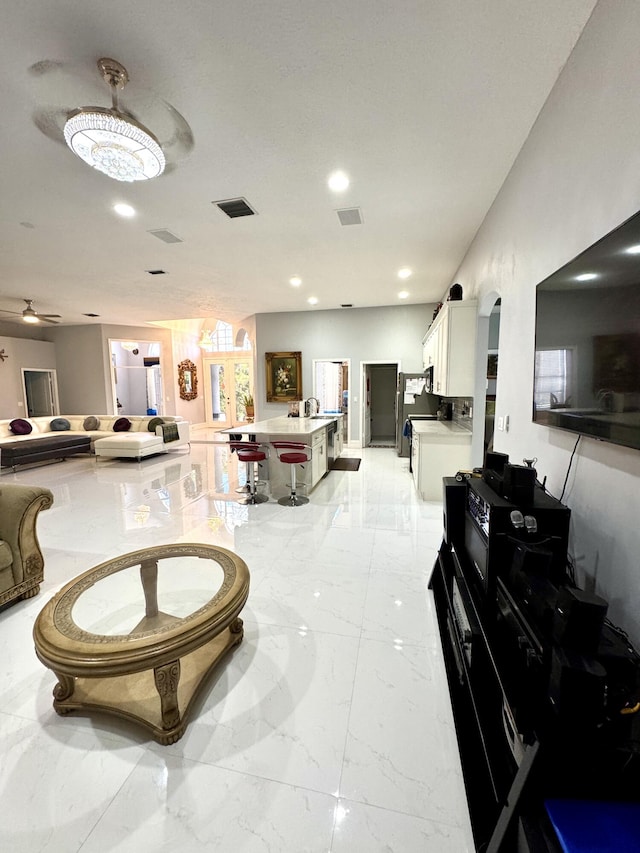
column 359, row 334
column 84, row 365
column 19, row 353
column 577, row 177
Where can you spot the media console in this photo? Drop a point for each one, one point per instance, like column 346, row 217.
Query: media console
column 544, row 690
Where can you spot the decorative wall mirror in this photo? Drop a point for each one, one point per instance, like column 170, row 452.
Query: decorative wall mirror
column 187, row 380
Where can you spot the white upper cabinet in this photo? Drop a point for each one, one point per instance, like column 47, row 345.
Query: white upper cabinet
column 449, row 347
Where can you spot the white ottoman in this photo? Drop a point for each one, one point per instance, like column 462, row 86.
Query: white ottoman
column 130, row 444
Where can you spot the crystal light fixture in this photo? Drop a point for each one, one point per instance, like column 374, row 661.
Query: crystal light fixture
column 205, row 341
column 111, row 141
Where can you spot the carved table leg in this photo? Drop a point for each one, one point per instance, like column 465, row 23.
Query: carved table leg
column 64, row 688
column 236, row 627
column 149, row 578
column 167, row 678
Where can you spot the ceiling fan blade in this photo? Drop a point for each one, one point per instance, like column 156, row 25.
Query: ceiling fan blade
column 50, row 121
column 49, row 316
column 47, row 320
column 17, row 313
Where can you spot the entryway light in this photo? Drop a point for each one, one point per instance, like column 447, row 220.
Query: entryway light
column 312, row 300
column 405, row 272
column 295, row 281
column 124, row 210
column 205, row 341
column 338, row 182
column 403, row 294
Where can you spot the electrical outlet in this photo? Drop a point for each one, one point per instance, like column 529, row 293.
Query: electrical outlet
column 501, row 424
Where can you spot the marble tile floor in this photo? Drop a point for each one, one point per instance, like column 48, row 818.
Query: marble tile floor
column 328, row 730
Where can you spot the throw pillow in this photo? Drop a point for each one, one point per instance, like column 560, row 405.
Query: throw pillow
column 91, row 422
column 153, row 423
column 19, row 426
column 122, row 425
column 59, row 424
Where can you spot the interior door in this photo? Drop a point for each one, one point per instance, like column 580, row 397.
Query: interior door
column 40, row 392
column 227, row 379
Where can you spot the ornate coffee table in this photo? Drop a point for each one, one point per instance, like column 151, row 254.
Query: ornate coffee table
column 140, row 643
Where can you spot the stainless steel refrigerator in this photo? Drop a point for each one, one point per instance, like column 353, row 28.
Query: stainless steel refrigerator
column 411, row 399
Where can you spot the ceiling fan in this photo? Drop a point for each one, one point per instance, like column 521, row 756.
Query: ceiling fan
column 137, row 153
column 30, row 315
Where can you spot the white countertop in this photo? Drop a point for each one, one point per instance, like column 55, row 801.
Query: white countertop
column 437, row 428
column 283, row 426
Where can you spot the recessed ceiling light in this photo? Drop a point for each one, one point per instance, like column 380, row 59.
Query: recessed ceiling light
column 403, row 294
column 586, row 276
column 338, row 182
column 124, row 210
column 312, row 300
column 405, row 272
column 295, row 281
column 633, row 250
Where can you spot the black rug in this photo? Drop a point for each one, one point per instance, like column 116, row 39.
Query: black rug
column 344, row 463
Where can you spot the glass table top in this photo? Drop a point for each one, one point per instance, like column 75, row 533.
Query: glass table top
column 116, row 605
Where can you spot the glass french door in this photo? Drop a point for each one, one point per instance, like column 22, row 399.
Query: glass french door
column 227, row 379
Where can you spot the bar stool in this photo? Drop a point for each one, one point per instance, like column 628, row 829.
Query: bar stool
column 251, row 452
column 243, row 490
column 292, row 453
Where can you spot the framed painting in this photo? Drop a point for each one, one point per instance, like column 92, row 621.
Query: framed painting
column 284, row 376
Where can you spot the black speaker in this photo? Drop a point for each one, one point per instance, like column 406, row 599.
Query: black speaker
column 577, row 689
column 494, row 465
column 528, row 580
column 454, row 500
column 518, row 483
column 578, row 620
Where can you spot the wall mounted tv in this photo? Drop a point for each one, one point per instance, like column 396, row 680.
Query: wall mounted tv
column 587, row 359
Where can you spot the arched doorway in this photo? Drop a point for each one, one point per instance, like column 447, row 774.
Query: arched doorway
column 227, row 367
column 486, row 382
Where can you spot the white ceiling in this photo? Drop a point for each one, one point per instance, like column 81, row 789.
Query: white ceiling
column 425, row 103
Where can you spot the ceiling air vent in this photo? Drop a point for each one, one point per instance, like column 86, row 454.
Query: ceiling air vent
column 165, row 235
column 156, row 272
column 350, row 216
column 235, row 207
column 91, row 315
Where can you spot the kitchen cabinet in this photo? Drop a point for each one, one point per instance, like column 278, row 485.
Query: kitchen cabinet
column 319, row 458
column 449, row 347
column 429, row 348
column 438, row 449
column 338, row 442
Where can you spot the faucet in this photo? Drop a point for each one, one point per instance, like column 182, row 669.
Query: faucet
column 317, row 402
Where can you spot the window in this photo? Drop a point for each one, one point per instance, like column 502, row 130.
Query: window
column 220, row 339
column 553, row 384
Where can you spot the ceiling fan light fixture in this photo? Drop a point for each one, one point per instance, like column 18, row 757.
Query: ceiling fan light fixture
column 30, row 316
column 110, row 141
column 113, row 144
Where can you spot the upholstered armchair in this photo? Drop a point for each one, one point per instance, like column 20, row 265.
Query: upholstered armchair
column 21, row 560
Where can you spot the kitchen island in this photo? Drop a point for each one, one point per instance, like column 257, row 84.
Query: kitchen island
column 312, row 431
column 438, row 449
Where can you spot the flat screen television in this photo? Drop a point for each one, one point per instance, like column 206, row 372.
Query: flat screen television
column 587, row 358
